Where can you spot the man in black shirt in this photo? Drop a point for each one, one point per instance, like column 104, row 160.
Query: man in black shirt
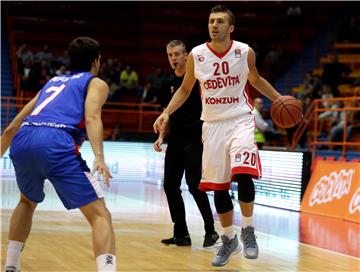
column 184, row 152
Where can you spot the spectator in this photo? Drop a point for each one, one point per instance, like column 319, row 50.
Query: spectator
column 23, row 54
column 264, row 128
column 328, row 118
column 64, row 59
column 153, row 86
column 308, row 80
column 44, row 54
column 114, row 90
column 352, row 120
column 45, row 73
column 29, row 76
column 354, row 132
column 129, row 81
column 62, row 71
column 260, row 124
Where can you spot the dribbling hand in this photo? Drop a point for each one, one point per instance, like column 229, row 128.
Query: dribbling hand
column 161, row 122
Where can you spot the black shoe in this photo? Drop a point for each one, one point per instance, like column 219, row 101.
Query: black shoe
column 170, row 241
column 183, row 241
column 179, row 241
column 210, row 239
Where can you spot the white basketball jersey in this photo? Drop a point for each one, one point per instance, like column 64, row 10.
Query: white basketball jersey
column 223, row 79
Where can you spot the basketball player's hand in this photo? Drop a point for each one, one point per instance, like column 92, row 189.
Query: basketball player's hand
column 161, row 122
column 158, row 143
column 102, row 169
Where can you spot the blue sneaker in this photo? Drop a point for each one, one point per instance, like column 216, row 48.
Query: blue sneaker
column 228, row 248
column 248, row 238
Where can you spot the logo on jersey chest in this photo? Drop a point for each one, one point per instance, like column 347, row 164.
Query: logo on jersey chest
column 221, row 100
column 222, row 82
column 172, row 89
column 237, row 53
column 201, row 58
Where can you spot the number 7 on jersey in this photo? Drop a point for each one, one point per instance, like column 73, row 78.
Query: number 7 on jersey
column 57, row 90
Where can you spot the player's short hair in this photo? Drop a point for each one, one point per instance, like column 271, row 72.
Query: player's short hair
column 83, row 51
column 223, row 8
column 174, row 43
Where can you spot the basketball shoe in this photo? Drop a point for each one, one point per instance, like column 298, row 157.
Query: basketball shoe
column 228, row 248
column 248, row 238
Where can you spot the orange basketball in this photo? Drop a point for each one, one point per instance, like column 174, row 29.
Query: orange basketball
column 286, row 111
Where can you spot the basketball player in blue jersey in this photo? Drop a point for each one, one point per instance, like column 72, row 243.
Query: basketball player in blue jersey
column 45, row 138
column 223, row 67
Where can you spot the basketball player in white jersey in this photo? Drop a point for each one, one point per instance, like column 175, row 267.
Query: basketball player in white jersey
column 223, row 68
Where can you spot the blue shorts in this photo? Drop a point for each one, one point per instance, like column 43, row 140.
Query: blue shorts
column 40, row 153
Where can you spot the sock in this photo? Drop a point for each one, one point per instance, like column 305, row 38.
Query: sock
column 229, row 231
column 247, row 221
column 13, row 254
column 106, row 263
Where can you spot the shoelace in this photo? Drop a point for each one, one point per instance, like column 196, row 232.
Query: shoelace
column 224, row 248
column 249, row 239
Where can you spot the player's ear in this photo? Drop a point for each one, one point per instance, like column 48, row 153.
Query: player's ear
column 96, row 65
column 231, row 28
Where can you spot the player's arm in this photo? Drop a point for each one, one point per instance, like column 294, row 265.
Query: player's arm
column 96, row 97
column 258, row 82
column 15, row 124
column 180, row 96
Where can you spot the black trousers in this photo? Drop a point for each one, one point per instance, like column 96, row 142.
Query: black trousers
column 186, row 158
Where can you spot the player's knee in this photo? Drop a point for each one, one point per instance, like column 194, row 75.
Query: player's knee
column 96, row 212
column 106, row 214
column 223, row 202
column 102, row 217
column 25, row 201
column 246, row 188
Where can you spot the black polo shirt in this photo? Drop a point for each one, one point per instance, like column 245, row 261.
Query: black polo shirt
column 184, row 124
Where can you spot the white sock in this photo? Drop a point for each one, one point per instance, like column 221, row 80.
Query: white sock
column 13, row 254
column 247, row 221
column 229, row 231
column 106, row 263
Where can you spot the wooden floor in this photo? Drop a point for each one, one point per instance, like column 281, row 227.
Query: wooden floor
column 60, row 240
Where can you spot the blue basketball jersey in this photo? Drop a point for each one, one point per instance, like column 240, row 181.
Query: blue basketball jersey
column 61, row 104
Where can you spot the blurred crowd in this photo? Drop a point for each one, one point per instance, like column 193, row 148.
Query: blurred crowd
column 36, row 68
column 326, row 85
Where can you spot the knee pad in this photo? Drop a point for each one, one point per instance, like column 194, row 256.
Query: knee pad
column 246, row 188
column 223, row 202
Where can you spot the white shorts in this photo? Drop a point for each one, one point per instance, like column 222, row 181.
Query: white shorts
column 229, row 149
